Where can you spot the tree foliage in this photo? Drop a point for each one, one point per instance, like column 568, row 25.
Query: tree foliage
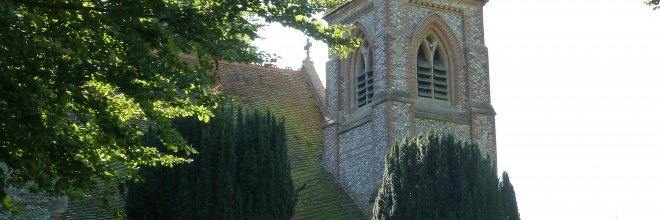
column 509, row 198
column 654, row 3
column 242, row 172
column 76, row 75
column 430, row 177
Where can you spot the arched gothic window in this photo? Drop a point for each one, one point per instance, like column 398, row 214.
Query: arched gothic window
column 432, row 71
column 364, row 75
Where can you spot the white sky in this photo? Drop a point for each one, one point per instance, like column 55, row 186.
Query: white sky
column 574, row 84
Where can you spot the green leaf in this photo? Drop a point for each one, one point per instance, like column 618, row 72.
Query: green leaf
column 81, row 79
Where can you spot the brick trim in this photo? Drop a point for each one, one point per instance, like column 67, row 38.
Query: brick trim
column 360, row 31
column 342, row 91
column 333, row 14
column 436, row 6
column 435, row 22
column 478, row 3
column 271, row 69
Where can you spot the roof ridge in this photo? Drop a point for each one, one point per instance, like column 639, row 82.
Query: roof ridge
column 272, row 68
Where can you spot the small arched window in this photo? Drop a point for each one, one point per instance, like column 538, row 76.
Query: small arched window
column 432, row 71
column 364, row 75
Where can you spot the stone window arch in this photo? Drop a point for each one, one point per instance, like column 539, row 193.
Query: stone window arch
column 363, row 73
column 433, row 69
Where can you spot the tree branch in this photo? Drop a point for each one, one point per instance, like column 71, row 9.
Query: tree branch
column 37, row 4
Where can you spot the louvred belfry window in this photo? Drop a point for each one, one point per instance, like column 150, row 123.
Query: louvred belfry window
column 432, row 78
column 364, row 73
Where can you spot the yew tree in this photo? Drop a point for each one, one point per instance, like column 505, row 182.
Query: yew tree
column 437, row 177
column 75, row 76
column 509, row 202
column 241, row 172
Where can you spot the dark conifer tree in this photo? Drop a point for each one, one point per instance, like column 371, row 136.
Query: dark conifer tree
column 430, row 177
column 509, row 198
column 241, row 172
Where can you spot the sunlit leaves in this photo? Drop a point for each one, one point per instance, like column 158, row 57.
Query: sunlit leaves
column 81, row 79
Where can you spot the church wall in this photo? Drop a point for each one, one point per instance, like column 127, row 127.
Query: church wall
column 355, row 163
column 460, row 131
column 367, row 21
column 475, row 27
column 344, row 92
column 435, row 17
column 402, row 121
column 330, row 149
column 381, row 126
column 394, row 120
column 478, row 74
column 394, row 31
column 31, row 207
column 454, row 20
column 482, row 113
column 332, row 71
column 380, row 80
column 399, row 78
column 484, row 132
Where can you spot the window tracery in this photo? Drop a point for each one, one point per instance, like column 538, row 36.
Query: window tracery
column 364, row 75
column 432, row 71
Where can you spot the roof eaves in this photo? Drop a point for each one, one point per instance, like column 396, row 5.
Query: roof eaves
column 331, row 12
column 270, row 69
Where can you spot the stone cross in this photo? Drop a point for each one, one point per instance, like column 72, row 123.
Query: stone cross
column 307, row 46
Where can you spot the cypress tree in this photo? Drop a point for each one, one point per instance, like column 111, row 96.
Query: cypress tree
column 433, row 177
column 241, row 172
column 509, row 198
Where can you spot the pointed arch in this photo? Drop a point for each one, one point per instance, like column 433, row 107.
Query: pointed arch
column 437, row 68
column 362, row 68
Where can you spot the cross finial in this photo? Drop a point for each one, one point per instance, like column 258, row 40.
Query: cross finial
column 307, row 46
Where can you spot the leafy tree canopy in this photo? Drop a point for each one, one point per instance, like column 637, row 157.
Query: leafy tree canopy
column 77, row 75
column 654, row 3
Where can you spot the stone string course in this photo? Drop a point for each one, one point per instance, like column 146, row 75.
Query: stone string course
column 459, row 131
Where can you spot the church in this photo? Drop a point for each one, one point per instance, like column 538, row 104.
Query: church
column 422, row 64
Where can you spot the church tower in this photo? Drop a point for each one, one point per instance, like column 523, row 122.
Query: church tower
column 422, row 65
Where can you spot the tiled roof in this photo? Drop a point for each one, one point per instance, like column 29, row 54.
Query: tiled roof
column 293, row 94
column 290, row 94
column 89, row 206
